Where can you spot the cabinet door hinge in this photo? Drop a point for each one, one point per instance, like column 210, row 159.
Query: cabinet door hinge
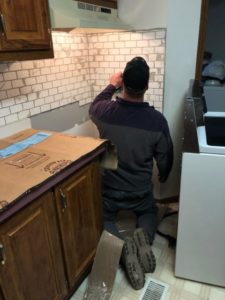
column 2, row 24
column 63, row 200
column 2, row 255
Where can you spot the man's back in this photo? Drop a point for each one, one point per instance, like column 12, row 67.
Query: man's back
column 140, row 134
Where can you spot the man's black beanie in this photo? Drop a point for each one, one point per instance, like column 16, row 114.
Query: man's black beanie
column 136, row 74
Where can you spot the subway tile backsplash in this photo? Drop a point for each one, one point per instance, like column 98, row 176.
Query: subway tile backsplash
column 82, row 67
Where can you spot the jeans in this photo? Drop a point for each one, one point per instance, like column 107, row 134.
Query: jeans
column 141, row 203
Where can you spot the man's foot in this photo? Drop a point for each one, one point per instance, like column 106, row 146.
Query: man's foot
column 145, row 254
column 132, row 265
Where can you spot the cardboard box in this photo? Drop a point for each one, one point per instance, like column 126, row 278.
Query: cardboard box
column 30, row 157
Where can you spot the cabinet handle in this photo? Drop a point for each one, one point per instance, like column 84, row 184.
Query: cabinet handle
column 3, row 23
column 63, row 200
column 2, row 255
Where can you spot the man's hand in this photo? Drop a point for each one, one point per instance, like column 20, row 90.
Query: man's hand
column 117, row 79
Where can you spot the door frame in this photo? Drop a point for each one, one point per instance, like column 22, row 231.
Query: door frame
column 201, row 38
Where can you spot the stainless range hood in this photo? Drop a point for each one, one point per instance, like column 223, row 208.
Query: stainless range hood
column 71, row 14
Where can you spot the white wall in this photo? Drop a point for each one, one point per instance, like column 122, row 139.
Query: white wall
column 143, row 14
column 181, row 49
column 182, row 22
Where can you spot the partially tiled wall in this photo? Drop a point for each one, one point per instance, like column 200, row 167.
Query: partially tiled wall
column 82, row 66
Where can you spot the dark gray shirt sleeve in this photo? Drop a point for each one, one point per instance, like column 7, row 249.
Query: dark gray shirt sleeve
column 164, row 154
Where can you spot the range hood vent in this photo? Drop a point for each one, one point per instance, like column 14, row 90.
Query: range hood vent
column 71, row 14
column 92, row 7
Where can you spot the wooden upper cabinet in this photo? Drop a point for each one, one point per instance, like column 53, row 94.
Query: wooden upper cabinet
column 24, row 25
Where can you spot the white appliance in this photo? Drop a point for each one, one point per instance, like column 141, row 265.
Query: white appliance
column 71, row 14
column 200, row 253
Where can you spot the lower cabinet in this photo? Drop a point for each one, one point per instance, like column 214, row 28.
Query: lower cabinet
column 46, row 248
column 78, row 219
column 31, row 258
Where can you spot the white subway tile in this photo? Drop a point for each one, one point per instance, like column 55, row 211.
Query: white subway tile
column 42, row 94
column 35, row 111
column 2, row 121
column 125, row 50
column 160, row 34
column 3, row 95
column 5, row 85
column 102, row 38
column 53, row 91
column 36, row 88
column 58, row 97
column 45, row 107
column 39, row 63
column 9, row 75
column 159, row 64
column 41, row 79
column 12, row 118
column 25, row 90
column 22, row 74
column 47, row 85
column 8, row 102
column 131, row 44
column 32, row 96
column 136, row 51
column 112, row 37
column 24, row 114
column 4, row 112
column 15, row 66
column 108, row 45
column 30, row 81
column 39, row 102
column 160, row 50
column 35, row 72
column 54, row 104
column 142, row 43
column 49, row 62
column 119, row 45
column 45, row 71
column 16, row 108
column 119, row 58
column 51, row 77
column 21, row 99
column 17, row 83
column 27, row 64
column 136, row 36
column 49, row 99
column 13, row 93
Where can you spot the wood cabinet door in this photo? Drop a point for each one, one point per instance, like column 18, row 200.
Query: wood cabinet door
column 78, row 218
column 25, row 25
column 31, row 265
